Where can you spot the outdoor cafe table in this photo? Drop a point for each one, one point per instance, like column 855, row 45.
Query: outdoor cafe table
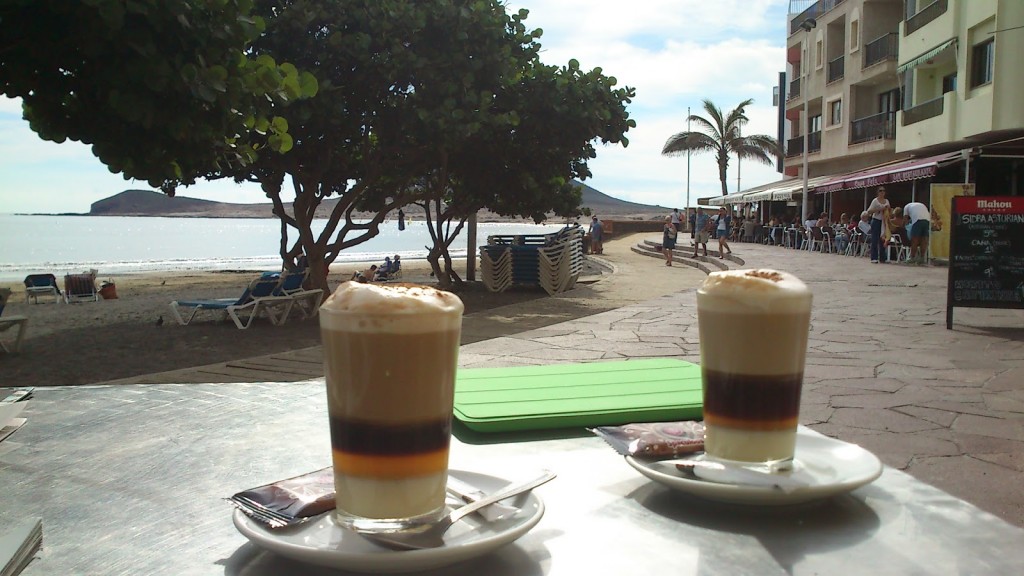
column 131, row 480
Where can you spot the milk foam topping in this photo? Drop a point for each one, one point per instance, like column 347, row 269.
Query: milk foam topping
column 761, row 291
column 396, row 308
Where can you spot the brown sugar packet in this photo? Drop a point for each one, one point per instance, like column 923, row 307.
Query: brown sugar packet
column 654, row 440
column 290, row 501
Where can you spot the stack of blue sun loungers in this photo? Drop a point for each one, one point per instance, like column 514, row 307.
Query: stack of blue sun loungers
column 551, row 261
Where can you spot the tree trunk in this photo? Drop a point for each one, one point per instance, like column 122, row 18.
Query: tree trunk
column 318, row 269
column 454, row 280
column 443, row 280
column 723, row 168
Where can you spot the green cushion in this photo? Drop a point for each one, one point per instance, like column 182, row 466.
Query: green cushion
column 572, row 395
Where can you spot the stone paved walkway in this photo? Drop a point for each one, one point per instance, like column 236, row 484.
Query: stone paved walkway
column 946, row 406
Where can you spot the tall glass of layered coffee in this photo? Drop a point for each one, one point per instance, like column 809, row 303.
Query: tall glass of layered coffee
column 753, row 328
column 390, row 355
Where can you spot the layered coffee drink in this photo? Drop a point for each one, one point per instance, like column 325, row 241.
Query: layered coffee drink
column 753, row 342
column 390, row 356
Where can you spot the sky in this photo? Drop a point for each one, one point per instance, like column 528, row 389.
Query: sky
column 676, row 53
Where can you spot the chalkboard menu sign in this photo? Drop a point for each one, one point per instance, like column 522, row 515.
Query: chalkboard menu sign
column 986, row 259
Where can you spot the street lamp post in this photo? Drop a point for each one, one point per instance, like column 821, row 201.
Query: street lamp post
column 687, row 167
column 807, row 26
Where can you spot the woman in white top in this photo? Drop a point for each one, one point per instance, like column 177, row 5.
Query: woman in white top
column 877, row 210
column 722, row 231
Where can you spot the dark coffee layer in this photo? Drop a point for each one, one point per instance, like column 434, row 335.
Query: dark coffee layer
column 358, row 437
column 754, row 402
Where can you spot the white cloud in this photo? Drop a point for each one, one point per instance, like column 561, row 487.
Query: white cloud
column 675, row 53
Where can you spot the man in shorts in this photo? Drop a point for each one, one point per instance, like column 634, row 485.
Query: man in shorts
column 918, row 230
column 703, row 224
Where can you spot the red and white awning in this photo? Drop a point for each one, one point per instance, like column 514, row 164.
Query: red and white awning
column 913, row 169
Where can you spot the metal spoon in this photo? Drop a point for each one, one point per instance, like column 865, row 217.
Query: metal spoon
column 432, row 535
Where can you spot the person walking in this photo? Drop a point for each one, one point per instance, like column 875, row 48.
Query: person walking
column 668, row 239
column 918, row 230
column 703, row 224
column 878, row 210
column 596, row 232
column 675, row 220
column 691, row 219
column 722, row 231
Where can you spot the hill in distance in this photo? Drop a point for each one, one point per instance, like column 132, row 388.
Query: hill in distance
column 153, row 203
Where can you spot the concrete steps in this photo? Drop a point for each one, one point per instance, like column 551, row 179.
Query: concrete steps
column 707, row 264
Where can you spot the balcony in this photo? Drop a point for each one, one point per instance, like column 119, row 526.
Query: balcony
column 928, row 124
column 817, row 9
column 836, row 70
column 924, row 16
column 877, row 127
column 923, row 111
column 885, row 48
column 795, row 146
column 814, row 141
column 794, row 90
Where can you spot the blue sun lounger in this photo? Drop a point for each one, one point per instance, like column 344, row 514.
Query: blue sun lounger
column 307, row 301
column 37, row 285
column 258, row 298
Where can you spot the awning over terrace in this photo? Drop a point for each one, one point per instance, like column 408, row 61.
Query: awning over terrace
column 739, row 197
column 783, row 190
column 902, row 171
column 926, row 56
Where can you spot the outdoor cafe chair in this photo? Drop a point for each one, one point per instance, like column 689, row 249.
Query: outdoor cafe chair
column 902, row 250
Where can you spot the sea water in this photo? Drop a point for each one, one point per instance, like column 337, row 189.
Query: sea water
column 125, row 245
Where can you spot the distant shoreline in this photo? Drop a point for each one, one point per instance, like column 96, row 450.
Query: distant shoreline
column 483, row 219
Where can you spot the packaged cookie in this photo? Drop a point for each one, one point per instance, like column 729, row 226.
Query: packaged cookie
column 654, row 440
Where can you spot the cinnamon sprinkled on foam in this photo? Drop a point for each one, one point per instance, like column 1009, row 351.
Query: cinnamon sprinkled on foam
column 772, row 275
column 397, row 308
column 755, row 291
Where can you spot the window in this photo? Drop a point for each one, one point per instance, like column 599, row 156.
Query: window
column 819, row 54
column 889, row 101
column 949, row 83
column 814, row 124
column 981, row 63
column 835, row 112
column 854, row 35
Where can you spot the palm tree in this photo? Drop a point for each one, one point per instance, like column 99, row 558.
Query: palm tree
column 722, row 135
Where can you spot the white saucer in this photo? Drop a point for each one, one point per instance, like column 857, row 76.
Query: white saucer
column 826, row 466
column 323, row 542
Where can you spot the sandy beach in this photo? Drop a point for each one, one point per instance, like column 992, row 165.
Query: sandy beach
column 91, row 342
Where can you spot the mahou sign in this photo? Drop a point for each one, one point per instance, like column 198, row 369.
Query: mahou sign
column 986, row 258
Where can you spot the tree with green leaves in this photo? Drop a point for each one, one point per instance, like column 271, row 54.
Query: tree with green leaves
column 403, row 85
column 527, row 170
column 722, row 134
column 162, row 91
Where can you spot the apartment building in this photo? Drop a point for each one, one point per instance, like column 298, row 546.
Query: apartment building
column 904, row 93
column 961, row 63
column 841, row 60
